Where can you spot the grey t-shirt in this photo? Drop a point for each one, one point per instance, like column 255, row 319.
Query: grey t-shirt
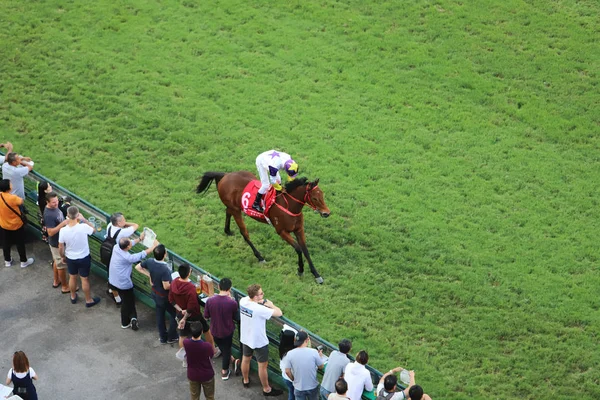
column 52, row 218
column 15, row 175
column 303, row 362
column 334, row 369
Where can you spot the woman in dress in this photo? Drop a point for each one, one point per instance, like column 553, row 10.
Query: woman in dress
column 21, row 375
column 286, row 343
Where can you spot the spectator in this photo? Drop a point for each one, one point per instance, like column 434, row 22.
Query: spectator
column 21, row 375
column 387, row 385
column 255, row 310
column 286, row 343
column 14, row 169
column 335, row 368
column 55, row 221
column 12, row 224
column 160, row 278
column 301, row 366
column 43, row 189
column 199, row 368
column 75, row 252
column 222, row 311
column 184, row 298
column 358, row 377
column 414, row 391
column 118, row 228
column 120, row 277
column 64, row 204
column 341, row 390
column 9, row 149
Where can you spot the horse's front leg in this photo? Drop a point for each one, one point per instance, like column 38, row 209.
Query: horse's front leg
column 288, row 238
column 228, row 223
column 237, row 216
column 302, row 243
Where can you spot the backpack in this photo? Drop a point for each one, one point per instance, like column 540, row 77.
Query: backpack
column 380, row 396
column 106, row 248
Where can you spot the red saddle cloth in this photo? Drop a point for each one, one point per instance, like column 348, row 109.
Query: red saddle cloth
column 249, row 195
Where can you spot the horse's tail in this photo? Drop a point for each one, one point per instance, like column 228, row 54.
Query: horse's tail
column 207, row 179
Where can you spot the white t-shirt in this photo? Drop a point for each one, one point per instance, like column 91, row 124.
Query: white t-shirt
column 359, row 379
column 253, row 322
column 21, row 375
column 75, row 239
column 397, row 396
column 282, row 368
column 125, row 232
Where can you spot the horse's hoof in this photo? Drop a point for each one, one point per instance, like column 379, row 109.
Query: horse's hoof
column 263, row 261
column 229, row 233
column 319, row 280
column 300, row 274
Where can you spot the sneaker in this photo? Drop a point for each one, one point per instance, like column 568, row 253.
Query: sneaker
column 217, row 353
column 95, row 300
column 134, row 324
column 126, row 326
column 273, row 392
column 7, row 263
column 225, row 376
column 162, row 341
column 27, row 263
column 171, row 341
column 236, row 367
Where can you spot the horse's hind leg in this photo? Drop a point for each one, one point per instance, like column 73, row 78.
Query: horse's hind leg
column 288, row 238
column 244, row 231
column 228, row 223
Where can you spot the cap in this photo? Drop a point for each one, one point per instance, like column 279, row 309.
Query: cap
column 300, row 338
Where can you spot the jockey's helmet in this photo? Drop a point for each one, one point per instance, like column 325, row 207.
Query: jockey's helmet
column 291, row 168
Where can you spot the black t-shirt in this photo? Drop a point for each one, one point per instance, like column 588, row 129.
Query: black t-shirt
column 159, row 272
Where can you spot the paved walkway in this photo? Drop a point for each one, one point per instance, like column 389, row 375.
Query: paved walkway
column 83, row 353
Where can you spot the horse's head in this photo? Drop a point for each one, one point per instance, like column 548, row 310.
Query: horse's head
column 314, row 197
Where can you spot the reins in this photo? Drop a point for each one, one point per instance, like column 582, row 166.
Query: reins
column 306, row 199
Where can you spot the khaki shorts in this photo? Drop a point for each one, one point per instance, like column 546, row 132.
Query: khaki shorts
column 57, row 258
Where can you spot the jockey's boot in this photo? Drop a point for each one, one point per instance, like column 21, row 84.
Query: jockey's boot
column 256, row 206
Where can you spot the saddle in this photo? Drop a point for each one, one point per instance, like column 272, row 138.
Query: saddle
column 249, row 195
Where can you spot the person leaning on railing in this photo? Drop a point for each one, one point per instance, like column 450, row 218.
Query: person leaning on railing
column 387, row 387
column 183, row 297
column 335, row 368
column 120, row 277
column 255, row 310
column 54, row 221
column 358, row 376
column 118, row 228
column 14, row 169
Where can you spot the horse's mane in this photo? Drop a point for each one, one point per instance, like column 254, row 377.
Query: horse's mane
column 295, row 184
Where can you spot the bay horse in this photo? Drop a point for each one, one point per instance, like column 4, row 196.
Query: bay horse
column 285, row 215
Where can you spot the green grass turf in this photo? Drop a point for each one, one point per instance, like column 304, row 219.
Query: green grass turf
column 457, row 144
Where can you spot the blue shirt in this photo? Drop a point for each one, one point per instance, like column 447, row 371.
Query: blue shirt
column 120, row 267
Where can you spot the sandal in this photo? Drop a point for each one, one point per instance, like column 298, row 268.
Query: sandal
column 57, row 285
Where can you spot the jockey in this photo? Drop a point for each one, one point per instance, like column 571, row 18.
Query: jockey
column 269, row 164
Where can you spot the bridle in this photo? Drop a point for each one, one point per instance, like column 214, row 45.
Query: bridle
column 306, row 200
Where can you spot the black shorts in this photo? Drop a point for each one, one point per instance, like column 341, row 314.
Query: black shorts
column 80, row 266
column 262, row 353
column 187, row 331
